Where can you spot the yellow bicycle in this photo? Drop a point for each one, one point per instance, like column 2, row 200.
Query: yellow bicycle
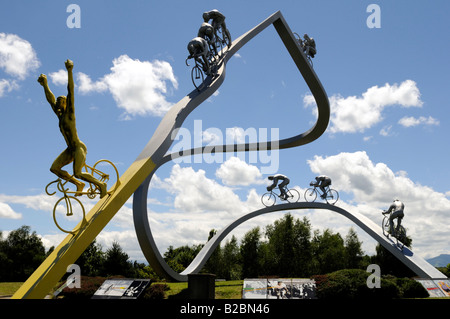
column 69, row 202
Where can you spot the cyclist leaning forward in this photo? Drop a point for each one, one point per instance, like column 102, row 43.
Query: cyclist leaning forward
column 397, row 208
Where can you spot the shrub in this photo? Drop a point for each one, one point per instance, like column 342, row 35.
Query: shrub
column 156, row 291
column 410, row 288
column 89, row 286
column 352, row 284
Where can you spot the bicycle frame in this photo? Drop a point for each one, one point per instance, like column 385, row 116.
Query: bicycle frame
column 331, row 195
column 399, row 231
column 91, row 192
column 292, row 196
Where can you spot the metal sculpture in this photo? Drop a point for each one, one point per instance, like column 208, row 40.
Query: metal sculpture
column 137, row 177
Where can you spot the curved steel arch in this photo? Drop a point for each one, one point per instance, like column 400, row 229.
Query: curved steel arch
column 417, row 264
column 163, row 137
column 179, row 112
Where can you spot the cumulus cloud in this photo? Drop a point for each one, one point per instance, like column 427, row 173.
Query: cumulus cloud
column 7, row 86
column 409, row 121
column 375, row 185
column 17, row 60
column 7, row 212
column 235, row 171
column 358, row 113
column 17, row 56
column 138, row 87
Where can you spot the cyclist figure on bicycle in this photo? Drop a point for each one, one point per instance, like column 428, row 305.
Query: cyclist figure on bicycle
column 198, row 47
column 309, row 46
column 396, row 208
column 206, row 32
column 322, row 181
column 218, row 20
column 64, row 108
column 285, row 181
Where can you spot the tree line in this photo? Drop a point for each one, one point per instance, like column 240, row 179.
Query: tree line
column 287, row 248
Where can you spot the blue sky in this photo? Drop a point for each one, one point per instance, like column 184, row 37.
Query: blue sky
column 387, row 136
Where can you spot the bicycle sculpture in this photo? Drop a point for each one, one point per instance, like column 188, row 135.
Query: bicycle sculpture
column 292, row 196
column 70, row 204
column 308, row 46
column 399, row 232
column 331, row 196
column 209, row 47
column 64, row 108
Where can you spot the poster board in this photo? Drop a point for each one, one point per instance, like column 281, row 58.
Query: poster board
column 436, row 287
column 121, row 289
column 279, row 288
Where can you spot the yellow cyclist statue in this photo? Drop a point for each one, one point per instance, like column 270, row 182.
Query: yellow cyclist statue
column 76, row 151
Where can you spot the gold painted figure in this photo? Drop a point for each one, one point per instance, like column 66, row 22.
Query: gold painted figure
column 76, row 151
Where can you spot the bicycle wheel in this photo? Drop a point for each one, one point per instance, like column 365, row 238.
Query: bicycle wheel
column 401, row 237
column 197, row 77
column 227, row 40
column 293, row 195
column 385, row 226
column 219, row 45
column 105, row 171
column 310, row 195
column 268, row 199
column 74, row 212
column 332, row 197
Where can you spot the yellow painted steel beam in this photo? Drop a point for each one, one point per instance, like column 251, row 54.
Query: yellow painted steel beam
column 54, row 267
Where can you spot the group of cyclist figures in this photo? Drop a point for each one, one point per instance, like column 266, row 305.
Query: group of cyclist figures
column 207, row 47
column 323, row 182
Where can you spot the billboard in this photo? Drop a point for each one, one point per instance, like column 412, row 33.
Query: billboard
column 280, row 288
column 121, row 289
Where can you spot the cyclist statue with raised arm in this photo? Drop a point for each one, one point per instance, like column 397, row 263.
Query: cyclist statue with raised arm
column 198, row 49
column 218, row 20
column 397, row 209
column 76, row 151
column 285, row 181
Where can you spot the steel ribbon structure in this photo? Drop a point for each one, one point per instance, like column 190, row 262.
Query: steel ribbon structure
column 135, row 180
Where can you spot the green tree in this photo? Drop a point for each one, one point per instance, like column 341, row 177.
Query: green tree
column 328, row 251
column 251, row 253
column 231, row 267
column 91, row 260
column 281, row 249
column 289, row 246
column 354, row 253
column 116, row 262
column 214, row 263
column 179, row 258
column 20, row 254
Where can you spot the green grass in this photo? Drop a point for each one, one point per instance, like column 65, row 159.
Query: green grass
column 224, row 289
column 9, row 288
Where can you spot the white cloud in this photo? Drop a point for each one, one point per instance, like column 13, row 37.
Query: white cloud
column 7, row 86
column 235, row 171
column 356, row 114
column 59, row 77
column 375, row 185
column 7, row 212
column 195, row 192
column 17, row 56
column 138, row 87
column 409, row 121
